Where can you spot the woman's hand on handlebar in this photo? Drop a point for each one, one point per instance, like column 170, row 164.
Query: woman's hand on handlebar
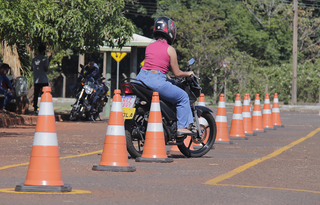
column 190, row 73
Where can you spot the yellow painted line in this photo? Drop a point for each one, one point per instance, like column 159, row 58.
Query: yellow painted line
column 14, row 165
column 261, row 187
column 81, row 155
column 244, row 167
column 67, row 157
column 11, row 190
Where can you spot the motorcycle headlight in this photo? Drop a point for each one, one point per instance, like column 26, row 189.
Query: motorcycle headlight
column 88, row 89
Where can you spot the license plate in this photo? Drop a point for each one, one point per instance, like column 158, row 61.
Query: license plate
column 128, row 101
column 128, row 109
column 128, row 113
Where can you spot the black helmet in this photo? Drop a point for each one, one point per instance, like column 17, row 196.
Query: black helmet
column 166, row 27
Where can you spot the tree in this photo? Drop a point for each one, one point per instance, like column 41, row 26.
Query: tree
column 140, row 13
column 65, row 24
column 202, row 33
column 262, row 28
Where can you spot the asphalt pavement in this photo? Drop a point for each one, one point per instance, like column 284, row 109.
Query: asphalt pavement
column 276, row 167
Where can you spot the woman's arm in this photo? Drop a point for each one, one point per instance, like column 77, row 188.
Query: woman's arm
column 174, row 64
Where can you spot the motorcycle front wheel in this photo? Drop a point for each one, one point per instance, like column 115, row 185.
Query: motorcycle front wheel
column 198, row 146
column 74, row 115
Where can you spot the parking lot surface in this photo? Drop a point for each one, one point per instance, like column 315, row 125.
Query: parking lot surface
column 277, row 167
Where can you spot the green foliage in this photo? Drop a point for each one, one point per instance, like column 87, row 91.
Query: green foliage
column 64, row 24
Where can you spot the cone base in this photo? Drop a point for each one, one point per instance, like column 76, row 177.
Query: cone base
column 259, row 131
column 238, row 138
column 269, row 128
column 223, row 142
column 28, row 188
column 250, row 134
column 162, row 160
column 114, row 168
column 278, row 125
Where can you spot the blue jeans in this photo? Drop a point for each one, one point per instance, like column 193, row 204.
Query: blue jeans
column 171, row 93
column 7, row 98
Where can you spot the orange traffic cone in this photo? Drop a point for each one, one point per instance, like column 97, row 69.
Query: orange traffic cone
column 221, row 122
column 276, row 112
column 114, row 156
column 246, row 114
column 202, row 121
column 154, row 147
column 266, row 114
column 44, row 174
column 236, row 130
column 257, row 116
column 202, row 101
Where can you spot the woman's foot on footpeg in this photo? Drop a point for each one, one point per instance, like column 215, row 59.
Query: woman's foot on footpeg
column 182, row 132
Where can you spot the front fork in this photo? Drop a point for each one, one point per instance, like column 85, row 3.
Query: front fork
column 197, row 124
column 80, row 96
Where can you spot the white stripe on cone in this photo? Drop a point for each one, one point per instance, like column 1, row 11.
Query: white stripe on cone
column 246, row 114
column 237, row 103
column 256, row 113
column 237, row 116
column 222, row 104
column 275, row 110
column 266, row 111
column 203, row 121
column 155, row 107
column 155, row 127
column 220, row 118
column 116, row 106
column 45, row 139
column 46, row 108
column 115, row 130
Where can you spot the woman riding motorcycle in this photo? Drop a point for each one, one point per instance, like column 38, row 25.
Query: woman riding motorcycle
column 160, row 56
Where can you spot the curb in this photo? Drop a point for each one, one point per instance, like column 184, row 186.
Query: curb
column 18, row 120
column 15, row 119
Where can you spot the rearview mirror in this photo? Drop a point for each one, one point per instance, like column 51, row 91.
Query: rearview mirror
column 191, row 61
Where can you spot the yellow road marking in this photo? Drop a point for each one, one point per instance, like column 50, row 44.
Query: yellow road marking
column 244, row 167
column 67, row 157
column 11, row 190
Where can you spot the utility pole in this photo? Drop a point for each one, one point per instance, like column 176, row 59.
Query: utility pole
column 294, row 53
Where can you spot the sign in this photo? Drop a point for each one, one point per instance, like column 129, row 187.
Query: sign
column 142, row 63
column 118, row 56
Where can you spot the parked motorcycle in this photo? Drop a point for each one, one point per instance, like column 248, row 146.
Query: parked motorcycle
column 136, row 104
column 91, row 96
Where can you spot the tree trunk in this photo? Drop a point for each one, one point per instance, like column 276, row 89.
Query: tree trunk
column 11, row 57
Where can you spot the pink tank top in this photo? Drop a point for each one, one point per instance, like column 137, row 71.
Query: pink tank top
column 157, row 57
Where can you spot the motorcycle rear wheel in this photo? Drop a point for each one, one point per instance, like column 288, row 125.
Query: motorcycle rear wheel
column 208, row 137
column 133, row 129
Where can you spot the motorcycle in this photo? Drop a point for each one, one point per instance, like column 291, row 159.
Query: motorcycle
column 136, row 103
column 91, row 96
